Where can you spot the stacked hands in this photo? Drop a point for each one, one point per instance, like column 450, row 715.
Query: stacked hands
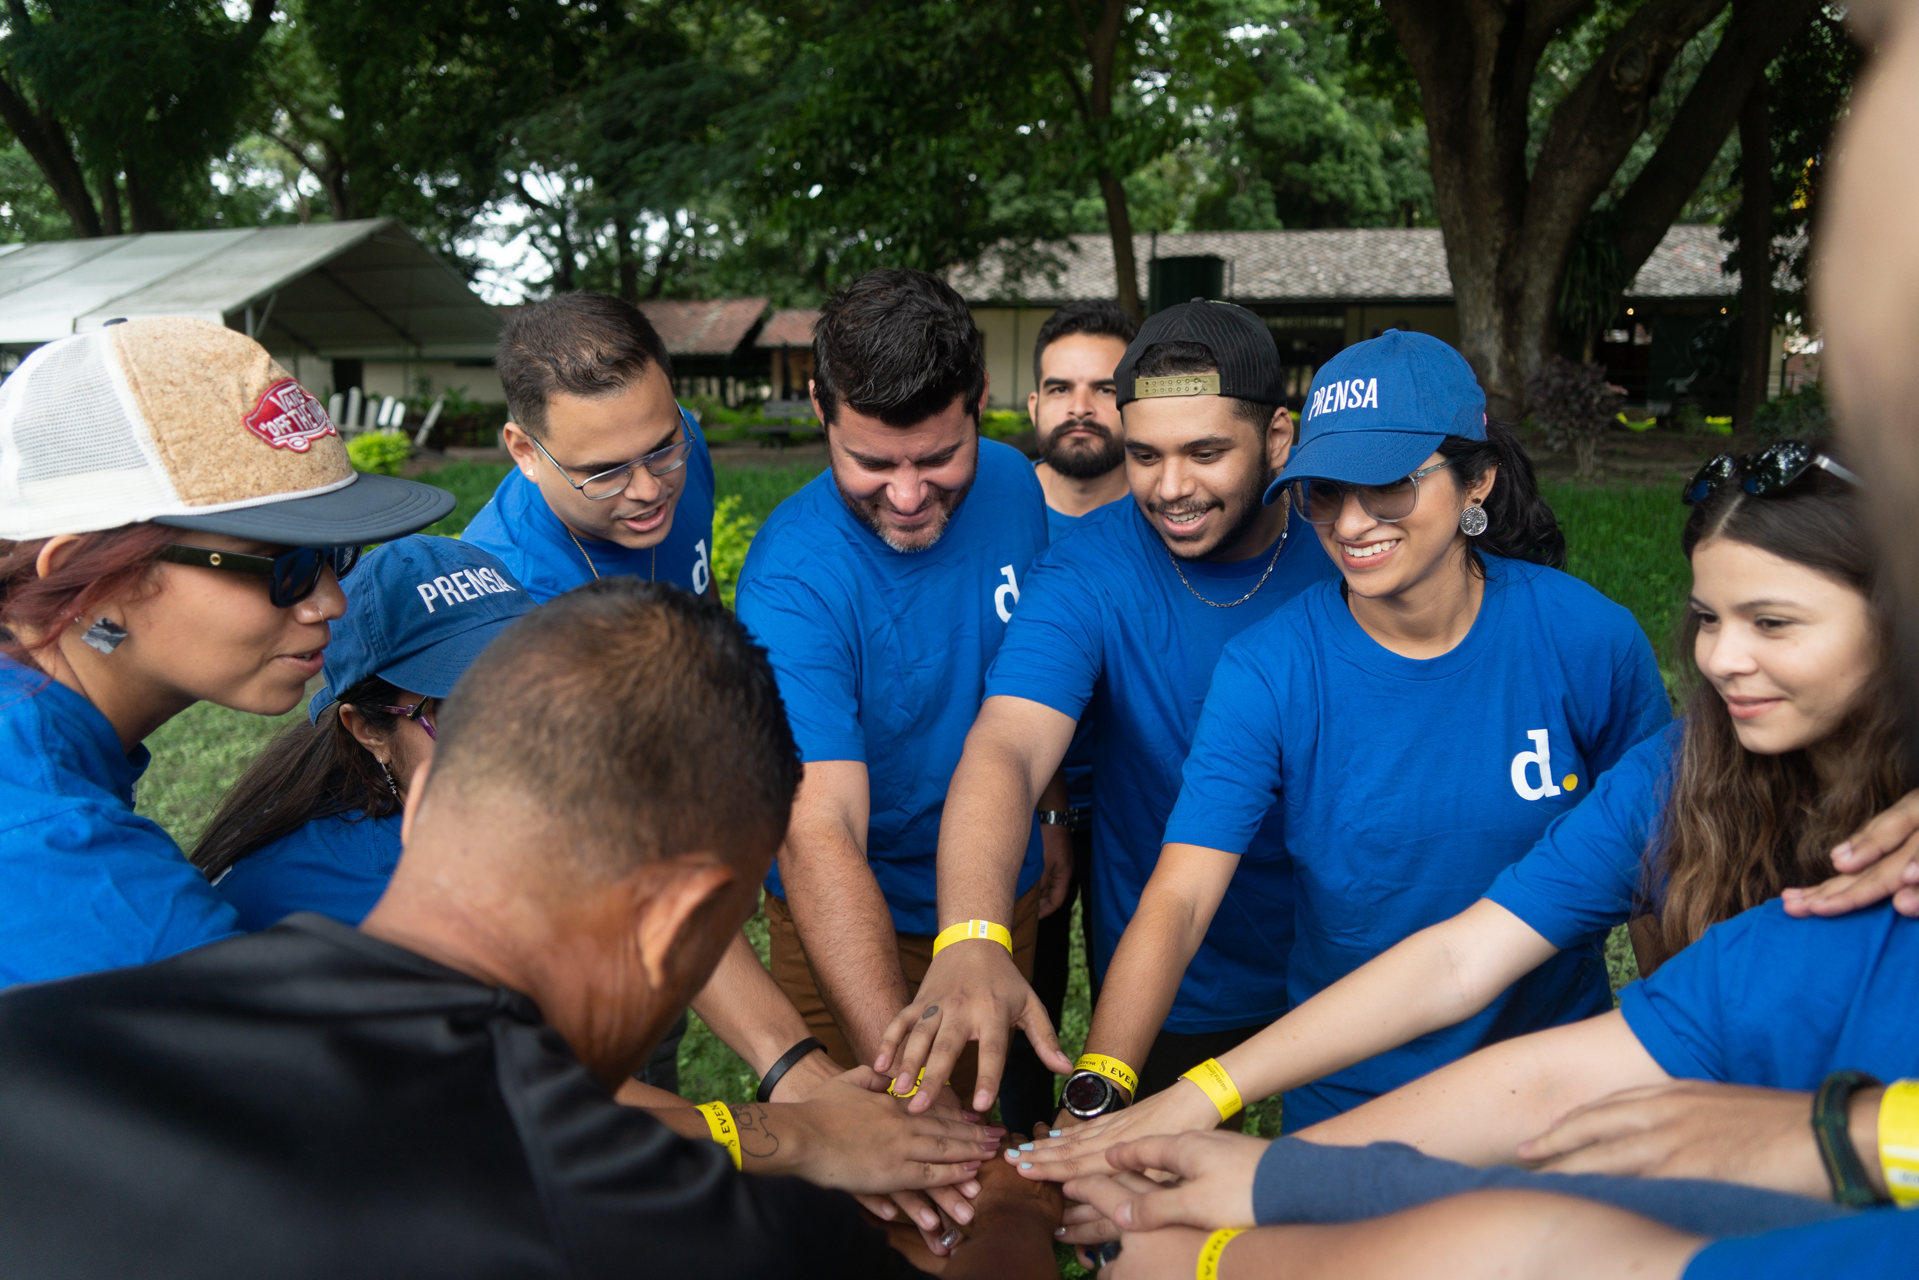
column 1152, row 1177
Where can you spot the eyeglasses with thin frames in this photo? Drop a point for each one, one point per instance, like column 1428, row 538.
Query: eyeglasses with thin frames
column 613, row 481
column 416, row 713
column 1321, row 501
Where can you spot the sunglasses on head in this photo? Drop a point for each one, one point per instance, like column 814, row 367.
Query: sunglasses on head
column 291, row 576
column 1762, row 474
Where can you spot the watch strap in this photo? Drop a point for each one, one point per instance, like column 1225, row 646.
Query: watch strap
column 787, row 1062
column 1899, row 1141
column 1832, row 1130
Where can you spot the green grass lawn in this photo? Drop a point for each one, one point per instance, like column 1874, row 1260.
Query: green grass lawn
column 1624, row 540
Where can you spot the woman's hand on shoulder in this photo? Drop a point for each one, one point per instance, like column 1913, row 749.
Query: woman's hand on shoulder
column 1880, row 861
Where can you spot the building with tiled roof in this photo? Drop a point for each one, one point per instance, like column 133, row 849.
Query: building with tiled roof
column 1320, row 291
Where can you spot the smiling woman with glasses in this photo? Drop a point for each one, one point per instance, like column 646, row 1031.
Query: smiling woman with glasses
column 314, row 823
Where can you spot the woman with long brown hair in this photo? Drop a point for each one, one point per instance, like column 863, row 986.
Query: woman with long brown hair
column 175, row 515
column 1789, row 744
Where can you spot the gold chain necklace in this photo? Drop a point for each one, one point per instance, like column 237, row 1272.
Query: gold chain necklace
column 1285, row 528
column 653, row 567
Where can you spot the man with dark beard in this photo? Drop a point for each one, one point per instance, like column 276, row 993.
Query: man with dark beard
column 1075, row 411
column 1081, row 468
column 1123, row 622
column 881, row 592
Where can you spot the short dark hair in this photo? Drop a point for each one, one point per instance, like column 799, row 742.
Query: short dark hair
column 640, row 716
column 582, row 344
column 899, row 346
column 1099, row 317
column 1163, row 359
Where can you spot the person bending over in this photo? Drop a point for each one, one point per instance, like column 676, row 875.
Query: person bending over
column 1790, row 740
column 175, row 515
column 432, row 1094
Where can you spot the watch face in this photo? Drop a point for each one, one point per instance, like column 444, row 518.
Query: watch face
column 1087, row 1095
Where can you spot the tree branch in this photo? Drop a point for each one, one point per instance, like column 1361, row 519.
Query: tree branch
column 50, row 150
column 1758, row 31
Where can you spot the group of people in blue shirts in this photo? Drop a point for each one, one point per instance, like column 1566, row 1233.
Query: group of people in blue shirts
column 1352, row 781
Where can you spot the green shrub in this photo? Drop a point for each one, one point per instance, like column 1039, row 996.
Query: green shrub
column 1003, row 424
column 733, row 532
column 1800, row 415
column 1575, row 404
column 380, row 452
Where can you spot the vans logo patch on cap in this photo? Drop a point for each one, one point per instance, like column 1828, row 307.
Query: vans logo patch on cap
column 1359, row 393
column 461, row 585
column 288, row 417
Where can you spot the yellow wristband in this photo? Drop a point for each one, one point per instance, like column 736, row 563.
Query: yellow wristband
column 719, row 1122
column 1899, row 1141
column 1112, row 1068
column 974, row 929
column 1217, row 1085
column 1209, row 1252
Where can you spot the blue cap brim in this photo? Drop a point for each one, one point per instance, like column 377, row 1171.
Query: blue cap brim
column 1357, row 457
column 432, row 672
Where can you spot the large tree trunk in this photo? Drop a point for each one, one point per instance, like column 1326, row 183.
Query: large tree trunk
column 1755, row 257
column 46, row 142
column 1509, row 232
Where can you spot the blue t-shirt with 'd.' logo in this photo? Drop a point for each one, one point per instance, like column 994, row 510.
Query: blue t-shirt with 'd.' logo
column 1110, row 635
column 881, row 655
column 1407, row 785
column 519, row 527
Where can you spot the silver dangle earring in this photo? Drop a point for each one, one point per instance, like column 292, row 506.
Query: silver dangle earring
column 104, row 635
column 1472, row 521
column 390, row 786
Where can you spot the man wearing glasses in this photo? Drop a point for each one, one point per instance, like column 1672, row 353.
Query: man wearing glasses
column 610, row 476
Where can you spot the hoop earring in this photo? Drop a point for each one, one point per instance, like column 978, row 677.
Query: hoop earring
column 104, row 635
column 389, row 778
column 1473, row 521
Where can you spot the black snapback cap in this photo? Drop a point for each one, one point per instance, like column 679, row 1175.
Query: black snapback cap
column 1247, row 360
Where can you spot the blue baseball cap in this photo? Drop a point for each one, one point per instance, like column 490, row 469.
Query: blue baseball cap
column 418, row 612
column 1379, row 408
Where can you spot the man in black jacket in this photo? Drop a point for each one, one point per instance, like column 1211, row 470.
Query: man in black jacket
column 431, row 1095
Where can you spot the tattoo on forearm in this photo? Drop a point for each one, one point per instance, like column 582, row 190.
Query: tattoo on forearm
column 931, row 1009
column 757, row 1137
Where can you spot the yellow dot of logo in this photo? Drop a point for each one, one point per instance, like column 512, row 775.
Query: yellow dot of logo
column 1572, row 782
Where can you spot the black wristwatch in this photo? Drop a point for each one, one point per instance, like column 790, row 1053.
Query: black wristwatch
column 1088, row 1094
column 1832, row 1129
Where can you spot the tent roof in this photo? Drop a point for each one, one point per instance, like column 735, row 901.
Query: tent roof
column 364, row 288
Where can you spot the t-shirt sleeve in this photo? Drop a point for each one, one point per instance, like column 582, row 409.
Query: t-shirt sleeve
column 1231, row 778
column 1053, row 648
column 814, row 662
column 1583, row 877
column 1879, row 1243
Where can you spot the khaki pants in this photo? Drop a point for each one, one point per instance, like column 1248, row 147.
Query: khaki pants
column 802, row 986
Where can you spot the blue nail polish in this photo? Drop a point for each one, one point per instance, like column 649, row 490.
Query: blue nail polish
column 1053, row 1133
column 1025, row 1146
column 1026, row 1164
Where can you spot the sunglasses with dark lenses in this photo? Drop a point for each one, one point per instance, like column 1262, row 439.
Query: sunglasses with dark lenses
column 1762, row 474
column 1321, row 501
column 291, row 576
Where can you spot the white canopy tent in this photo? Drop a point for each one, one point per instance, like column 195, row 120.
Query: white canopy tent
column 364, row 290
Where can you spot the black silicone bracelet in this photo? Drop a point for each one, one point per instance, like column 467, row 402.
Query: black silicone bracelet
column 784, row 1065
column 1833, row 1133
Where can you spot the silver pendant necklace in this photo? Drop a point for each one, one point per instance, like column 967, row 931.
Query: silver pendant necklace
column 1285, row 528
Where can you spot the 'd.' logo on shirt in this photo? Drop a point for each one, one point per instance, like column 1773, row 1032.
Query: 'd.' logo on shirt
column 1010, row 587
column 1541, row 758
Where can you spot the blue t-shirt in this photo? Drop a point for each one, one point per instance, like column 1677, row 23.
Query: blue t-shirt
column 517, row 526
column 1079, row 756
column 881, row 655
column 1407, row 785
column 1587, row 873
column 337, row 866
column 1764, row 999
column 85, row 882
column 1880, row 1243
column 1109, row 635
